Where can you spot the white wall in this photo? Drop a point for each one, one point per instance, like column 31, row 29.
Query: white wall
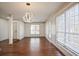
column 27, row 29
column 20, row 29
column 4, row 29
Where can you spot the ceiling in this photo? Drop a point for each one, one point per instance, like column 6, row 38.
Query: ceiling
column 40, row 10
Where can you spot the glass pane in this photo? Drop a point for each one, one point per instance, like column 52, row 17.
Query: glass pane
column 60, row 23
column 73, row 42
column 71, row 11
column 76, row 24
column 32, row 32
column 76, row 9
column 67, row 20
column 67, row 13
column 71, row 24
column 37, row 27
column 60, row 37
column 34, row 29
column 37, row 32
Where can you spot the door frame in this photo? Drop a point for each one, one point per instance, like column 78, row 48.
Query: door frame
column 16, row 30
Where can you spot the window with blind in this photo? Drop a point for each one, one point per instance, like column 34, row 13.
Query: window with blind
column 60, row 28
column 35, row 29
column 67, row 28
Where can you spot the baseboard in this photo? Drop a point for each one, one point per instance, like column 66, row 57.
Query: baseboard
column 4, row 40
column 7, row 40
column 36, row 37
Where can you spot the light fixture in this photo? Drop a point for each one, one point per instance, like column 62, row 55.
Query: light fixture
column 28, row 15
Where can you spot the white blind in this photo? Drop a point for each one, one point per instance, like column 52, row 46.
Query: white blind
column 67, row 28
column 35, row 29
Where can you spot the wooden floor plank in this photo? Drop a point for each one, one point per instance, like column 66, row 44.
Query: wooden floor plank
column 29, row 47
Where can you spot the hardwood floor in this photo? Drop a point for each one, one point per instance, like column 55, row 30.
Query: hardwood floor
column 29, row 47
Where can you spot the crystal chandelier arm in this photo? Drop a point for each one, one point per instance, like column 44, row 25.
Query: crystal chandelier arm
column 28, row 14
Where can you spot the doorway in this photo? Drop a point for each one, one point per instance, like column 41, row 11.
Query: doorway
column 15, row 30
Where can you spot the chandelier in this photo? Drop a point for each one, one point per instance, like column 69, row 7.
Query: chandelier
column 28, row 15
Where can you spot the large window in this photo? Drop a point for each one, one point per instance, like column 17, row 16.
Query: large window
column 67, row 28
column 35, row 29
column 60, row 28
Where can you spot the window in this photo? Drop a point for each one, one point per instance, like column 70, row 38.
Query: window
column 60, row 28
column 35, row 29
column 72, row 40
column 67, row 28
column 49, row 30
